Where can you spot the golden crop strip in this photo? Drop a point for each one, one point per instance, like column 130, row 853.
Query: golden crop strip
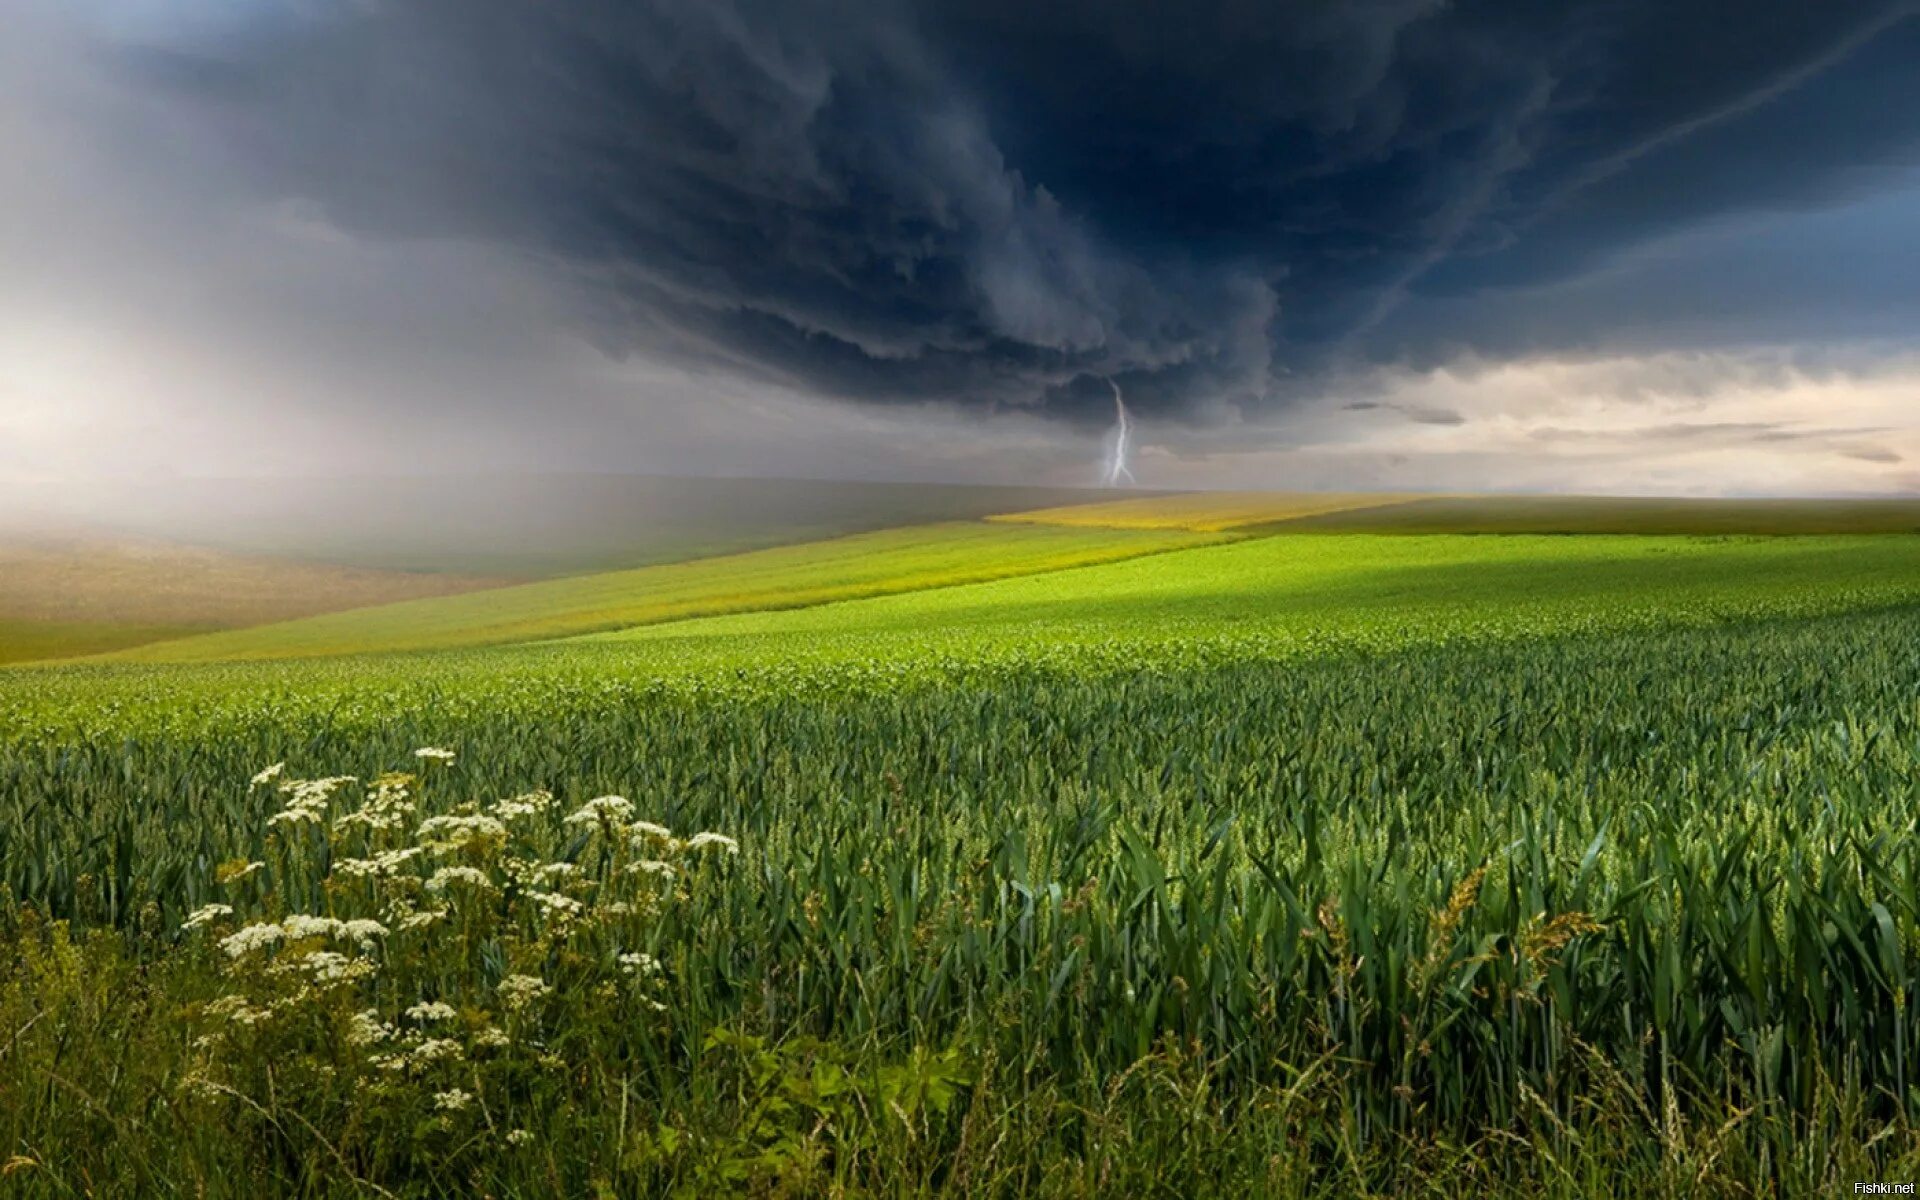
column 1205, row 512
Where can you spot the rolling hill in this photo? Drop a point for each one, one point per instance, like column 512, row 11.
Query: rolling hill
column 861, row 565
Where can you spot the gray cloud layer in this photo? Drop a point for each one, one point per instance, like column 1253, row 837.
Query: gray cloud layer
column 996, row 202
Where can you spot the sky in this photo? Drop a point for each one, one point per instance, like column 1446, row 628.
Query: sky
column 1628, row 246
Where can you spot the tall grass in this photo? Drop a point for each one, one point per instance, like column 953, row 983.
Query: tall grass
column 1630, row 913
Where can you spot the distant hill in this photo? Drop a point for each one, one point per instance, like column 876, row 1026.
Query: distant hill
column 529, row 526
column 73, row 591
column 1616, row 514
column 837, row 569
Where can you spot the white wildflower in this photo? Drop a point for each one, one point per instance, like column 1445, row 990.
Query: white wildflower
column 556, row 905
column 639, row 964
column 492, row 1035
column 526, row 805
column 433, row 754
column 421, row 918
column 308, row 799
column 207, row 914
column 389, row 804
column 652, row 866
column 647, row 829
column 269, row 774
column 366, row 1028
column 518, row 1137
column 432, row 1010
column 555, row 870
column 461, row 831
column 258, row 936
column 446, row 877
column 612, row 809
column 451, row 1101
column 361, row 929
column 433, row 1050
column 328, row 966
column 383, row 864
column 519, row 991
column 302, row 925
column 702, row 840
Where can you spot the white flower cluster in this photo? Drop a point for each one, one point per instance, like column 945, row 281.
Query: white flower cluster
column 431, row 1010
column 367, row 1029
column 307, row 800
column 207, row 914
column 602, row 810
column 457, row 832
column 557, row 904
column 237, row 1010
column 410, row 919
column 383, row 864
column 446, row 877
column 520, row 991
column 529, row 804
column 640, row 964
column 477, row 908
column 420, row 1055
column 389, row 805
column 262, row 935
column 325, row 968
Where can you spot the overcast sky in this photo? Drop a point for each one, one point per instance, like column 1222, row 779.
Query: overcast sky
column 1620, row 245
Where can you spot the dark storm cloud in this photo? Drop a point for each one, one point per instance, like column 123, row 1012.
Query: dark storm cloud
column 999, row 201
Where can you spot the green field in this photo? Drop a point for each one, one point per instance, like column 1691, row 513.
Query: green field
column 1616, row 514
column 1298, row 864
column 1203, row 511
column 929, row 556
column 36, row 638
column 1363, row 591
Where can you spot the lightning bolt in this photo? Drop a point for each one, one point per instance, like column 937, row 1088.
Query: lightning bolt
column 1122, row 450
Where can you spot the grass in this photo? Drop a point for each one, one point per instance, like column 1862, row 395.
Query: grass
column 1619, row 914
column 37, row 639
column 1618, row 514
column 861, row 565
column 68, row 593
column 1202, row 511
column 1353, row 590
column 1302, row 865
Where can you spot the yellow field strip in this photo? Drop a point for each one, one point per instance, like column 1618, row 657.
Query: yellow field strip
column 1205, row 512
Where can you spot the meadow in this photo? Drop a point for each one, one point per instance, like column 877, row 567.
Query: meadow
column 1297, row 865
column 870, row 564
column 74, row 591
column 1202, row 511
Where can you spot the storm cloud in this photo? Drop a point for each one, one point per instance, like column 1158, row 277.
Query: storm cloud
column 1353, row 244
column 997, row 203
